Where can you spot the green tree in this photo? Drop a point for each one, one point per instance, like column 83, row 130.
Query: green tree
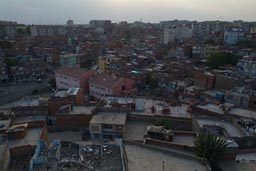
column 168, row 124
column 10, row 62
column 219, row 59
column 152, row 81
column 211, row 147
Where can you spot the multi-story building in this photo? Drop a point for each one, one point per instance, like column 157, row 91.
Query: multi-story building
column 209, row 50
column 73, row 77
column 71, row 59
column 45, row 30
column 233, row 36
column 102, row 85
column 247, row 66
column 177, row 33
column 100, row 24
column 62, row 97
column 70, row 22
column 28, row 72
column 105, row 61
column 8, row 29
column 3, row 71
column 108, row 125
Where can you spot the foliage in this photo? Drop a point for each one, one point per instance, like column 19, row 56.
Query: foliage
column 211, row 147
column 219, row 59
column 152, row 81
column 168, row 124
column 246, row 44
column 10, row 62
column 23, row 31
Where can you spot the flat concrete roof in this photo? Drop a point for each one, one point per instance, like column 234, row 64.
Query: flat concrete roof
column 26, row 119
column 145, row 159
column 28, row 101
column 184, row 140
column 109, row 118
column 78, row 110
column 136, row 130
column 212, row 108
column 231, row 129
column 241, row 166
column 143, row 106
column 31, row 138
column 81, row 109
column 246, row 156
column 243, row 112
column 72, row 136
column 66, row 92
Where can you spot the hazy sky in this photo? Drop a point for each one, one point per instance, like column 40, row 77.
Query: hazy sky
column 81, row 11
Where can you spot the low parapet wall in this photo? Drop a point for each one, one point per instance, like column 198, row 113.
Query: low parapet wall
column 166, row 151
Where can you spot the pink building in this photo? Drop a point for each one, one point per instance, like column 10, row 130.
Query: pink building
column 71, row 77
column 102, row 85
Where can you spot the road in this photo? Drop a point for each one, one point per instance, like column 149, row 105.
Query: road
column 14, row 92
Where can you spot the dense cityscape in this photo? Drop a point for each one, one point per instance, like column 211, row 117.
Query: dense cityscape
column 176, row 95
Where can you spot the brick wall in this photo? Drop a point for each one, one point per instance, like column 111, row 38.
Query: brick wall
column 73, row 121
column 84, row 81
column 206, row 81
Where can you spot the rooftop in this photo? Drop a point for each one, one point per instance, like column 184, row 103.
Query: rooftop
column 187, row 140
column 211, row 107
column 65, row 155
column 235, row 166
column 105, row 80
column 27, row 119
column 243, row 112
column 230, row 128
column 145, row 159
column 143, row 106
column 66, row 92
column 73, row 109
column 109, row 118
column 136, row 130
column 81, row 110
column 74, row 72
column 31, row 138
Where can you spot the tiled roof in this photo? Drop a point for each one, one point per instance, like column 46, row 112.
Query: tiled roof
column 105, row 80
column 74, row 72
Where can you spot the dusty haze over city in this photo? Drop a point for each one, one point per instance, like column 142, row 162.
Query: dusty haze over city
column 81, row 11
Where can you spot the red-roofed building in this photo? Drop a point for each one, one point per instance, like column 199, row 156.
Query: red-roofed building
column 73, row 77
column 102, row 85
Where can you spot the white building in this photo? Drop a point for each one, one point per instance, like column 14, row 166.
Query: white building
column 46, row 30
column 73, row 77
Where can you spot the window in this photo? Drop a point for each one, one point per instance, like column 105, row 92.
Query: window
column 95, row 128
column 106, row 126
column 119, row 128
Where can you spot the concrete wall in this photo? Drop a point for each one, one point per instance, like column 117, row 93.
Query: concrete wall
column 84, row 81
column 5, row 158
column 73, row 121
column 181, row 124
column 30, row 110
column 55, row 104
column 22, row 151
column 168, row 144
column 203, row 80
